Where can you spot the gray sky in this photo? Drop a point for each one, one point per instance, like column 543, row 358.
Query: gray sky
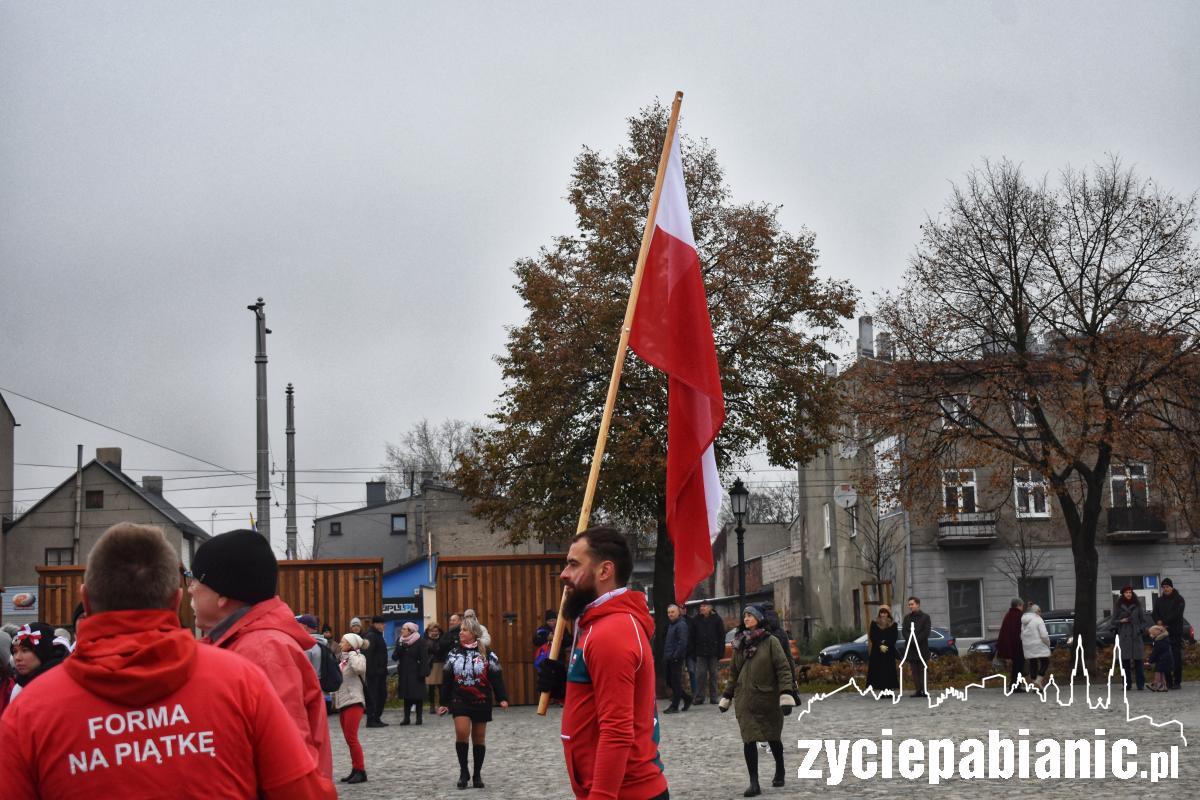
column 373, row 170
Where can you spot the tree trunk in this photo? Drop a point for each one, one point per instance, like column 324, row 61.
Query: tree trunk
column 663, row 595
column 1087, row 564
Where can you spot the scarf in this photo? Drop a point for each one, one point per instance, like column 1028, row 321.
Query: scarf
column 411, row 639
column 749, row 640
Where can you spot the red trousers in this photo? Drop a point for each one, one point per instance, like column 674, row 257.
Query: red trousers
column 350, row 717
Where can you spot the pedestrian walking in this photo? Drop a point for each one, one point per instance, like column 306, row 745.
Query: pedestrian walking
column 760, row 686
column 473, row 683
column 140, row 709
column 917, row 626
column 412, row 665
column 377, row 672
column 1008, row 644
column 1168, row 612
column 883, row 656
column 1161, row 658
column 233, row 585
column 350, row 701
column 435, row 647
column 609, row 723
column 35, row 651
column 1131, row 622
column 675, row 654
column 1035, row 643
column 710, row 647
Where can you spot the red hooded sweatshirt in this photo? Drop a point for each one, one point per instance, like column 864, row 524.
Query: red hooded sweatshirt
column 269, row 635
column 139, row 710
column 610, row 720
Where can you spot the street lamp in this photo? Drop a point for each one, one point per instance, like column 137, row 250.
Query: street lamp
column 739, row 503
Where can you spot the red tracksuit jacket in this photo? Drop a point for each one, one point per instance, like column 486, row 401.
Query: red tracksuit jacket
column 610, row 720
column 140, row 710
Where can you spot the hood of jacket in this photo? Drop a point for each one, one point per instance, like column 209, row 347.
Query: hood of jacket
column 132, row 657
column 272, row 614
column 627, row 602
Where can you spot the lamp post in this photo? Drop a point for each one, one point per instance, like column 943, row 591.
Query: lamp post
column 739, row 503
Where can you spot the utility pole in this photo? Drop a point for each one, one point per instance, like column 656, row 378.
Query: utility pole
column 78, row 504
column 262, row 494
column 291, row 474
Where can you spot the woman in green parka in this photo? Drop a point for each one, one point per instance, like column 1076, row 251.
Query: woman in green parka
column 760, row 689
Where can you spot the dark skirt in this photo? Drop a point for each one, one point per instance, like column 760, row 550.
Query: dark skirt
column 477, row 713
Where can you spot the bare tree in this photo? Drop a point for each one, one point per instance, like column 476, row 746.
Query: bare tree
column 1024, row 555
column 777, row 503
column 1054, row 328
column 878, row 541
column 426, row 451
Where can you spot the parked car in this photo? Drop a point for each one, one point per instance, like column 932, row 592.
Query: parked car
column 1060, row 631
column 1106, row 632
column 941, row 643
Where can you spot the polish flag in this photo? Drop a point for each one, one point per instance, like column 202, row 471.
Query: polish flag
column 673, row 332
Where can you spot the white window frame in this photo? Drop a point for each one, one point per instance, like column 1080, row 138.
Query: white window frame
column 1023, row 481
column 828, row 518
column 956, row 410
column 1124, row 474
column 852, row 513
column 959, row 484
column 1022, row 414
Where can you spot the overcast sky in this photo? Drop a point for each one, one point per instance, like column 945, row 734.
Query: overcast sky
column 373, row 169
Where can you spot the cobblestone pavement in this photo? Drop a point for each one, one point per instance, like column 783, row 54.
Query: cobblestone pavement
column 703, row 753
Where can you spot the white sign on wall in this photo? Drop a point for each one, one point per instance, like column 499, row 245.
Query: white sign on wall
column 20, row 601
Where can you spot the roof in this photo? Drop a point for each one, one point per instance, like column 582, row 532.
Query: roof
column 426, row 486
column 155, row 501
column 4, row 405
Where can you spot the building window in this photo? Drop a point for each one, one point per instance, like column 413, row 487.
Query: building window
column 57, row 556
column 956, row 411
column 335, row 529
column 966, row 608
column 1030, row 488
column 93, row 498
column 856, row 594
column 852, row 522
column 958, row 487
column 1040, row 591
column 399, row 524
column 828, row 509
column 1022, row 414
column 1129, row 486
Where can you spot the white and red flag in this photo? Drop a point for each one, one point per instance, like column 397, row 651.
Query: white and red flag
column 672, row 331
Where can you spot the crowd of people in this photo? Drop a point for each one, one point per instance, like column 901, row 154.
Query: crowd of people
column 138, row 702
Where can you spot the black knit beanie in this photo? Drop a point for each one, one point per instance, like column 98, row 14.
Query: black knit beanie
column 39, row 637
column 239, row 565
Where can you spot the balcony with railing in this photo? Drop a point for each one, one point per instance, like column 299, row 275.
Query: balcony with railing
column 966, row 530
column 1140, row 523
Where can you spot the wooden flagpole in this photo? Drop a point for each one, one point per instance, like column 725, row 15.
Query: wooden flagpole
column 589, row 495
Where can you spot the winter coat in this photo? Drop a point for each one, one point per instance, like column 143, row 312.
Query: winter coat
column 1170, row 611
column 710, row 636
column 314, row 654
column 269, row 635
column 691, row 643
column 198, row 717
column 917, row 626
column 1035, row 639
column 1161, row 657
column 1129, row 634
column 609, row 722
column 755, row 685
column 1008, row 644
column 677, row 640
column 377, row 653
column 412, row 665
column 354, row 671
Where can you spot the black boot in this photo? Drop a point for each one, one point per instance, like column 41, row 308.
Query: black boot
column 358, row 776
column 346, row 779
column 478, row 752
column 750, row 751
column 777, row 751
column 464, row 775
column 419, row 710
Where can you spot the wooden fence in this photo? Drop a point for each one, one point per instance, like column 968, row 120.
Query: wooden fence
column 511, row 594
column 333, row 589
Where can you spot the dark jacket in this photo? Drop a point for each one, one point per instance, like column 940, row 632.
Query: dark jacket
column 1161, row 657
column 918, row 625
column 412, row 665
column 436, row 649
column 1008, row 644
column 1170, row 611
column 677, row 640
column 710, row 636
column 1129, row 634
column 691, row 645
column 376, row 653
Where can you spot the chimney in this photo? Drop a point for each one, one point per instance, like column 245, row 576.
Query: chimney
column 884, row 347
column 152, row 484
column 376, row 493
column 110, row 456
column 866, row 337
